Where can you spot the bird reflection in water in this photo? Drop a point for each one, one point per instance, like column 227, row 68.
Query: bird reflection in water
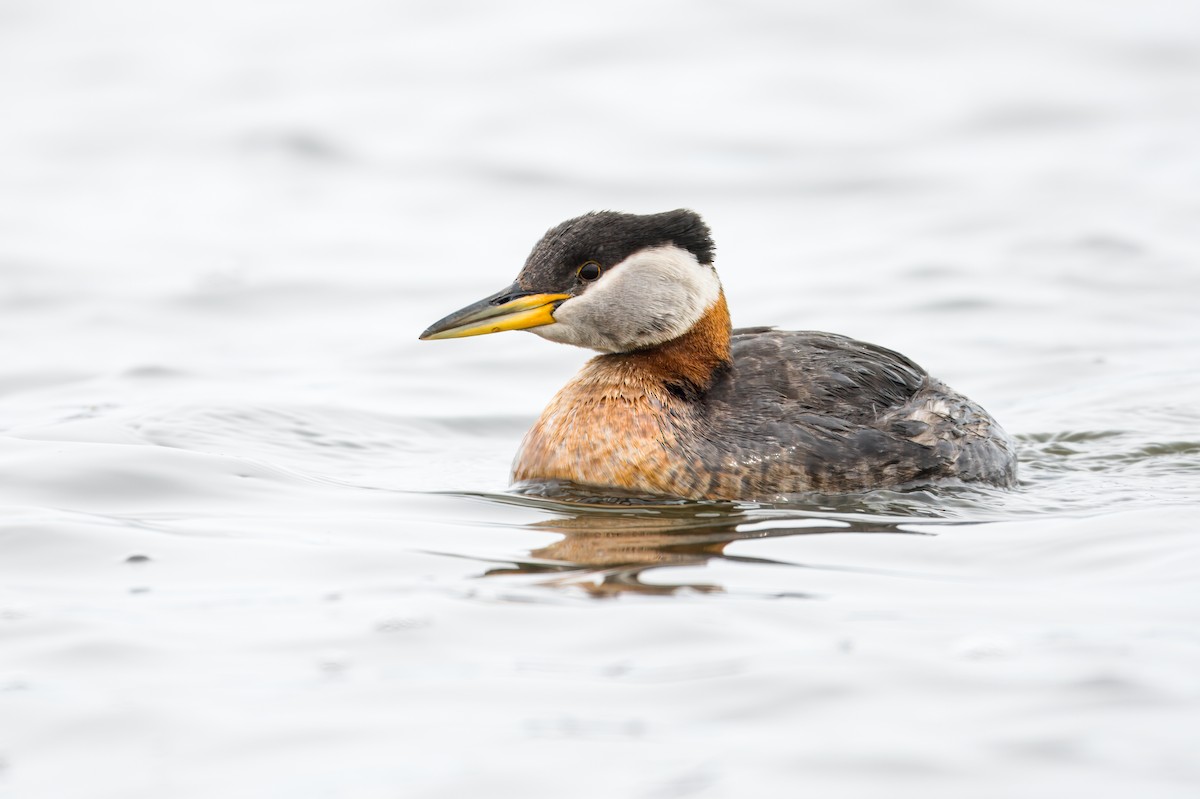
column 607, row 548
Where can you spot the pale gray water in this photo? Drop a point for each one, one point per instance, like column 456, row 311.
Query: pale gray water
column 254, row 540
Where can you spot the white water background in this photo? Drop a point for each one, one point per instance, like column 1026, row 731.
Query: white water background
column 254, row 536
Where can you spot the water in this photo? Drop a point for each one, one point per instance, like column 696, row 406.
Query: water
column 255, row 539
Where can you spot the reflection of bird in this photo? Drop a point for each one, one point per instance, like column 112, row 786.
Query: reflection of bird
column 606, row 554
column 679, row 404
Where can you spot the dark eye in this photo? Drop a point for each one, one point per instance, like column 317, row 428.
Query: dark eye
column 589, row 271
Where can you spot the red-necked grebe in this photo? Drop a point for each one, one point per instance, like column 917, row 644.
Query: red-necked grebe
column 680, row 404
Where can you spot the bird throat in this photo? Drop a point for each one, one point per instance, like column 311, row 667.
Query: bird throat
column 691, row 361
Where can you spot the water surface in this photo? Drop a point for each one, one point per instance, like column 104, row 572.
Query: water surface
column 256, row 540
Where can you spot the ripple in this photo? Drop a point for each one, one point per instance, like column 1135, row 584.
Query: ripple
column 356, row 447
column 607, row 544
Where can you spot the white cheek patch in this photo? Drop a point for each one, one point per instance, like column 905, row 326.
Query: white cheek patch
column 651, row 297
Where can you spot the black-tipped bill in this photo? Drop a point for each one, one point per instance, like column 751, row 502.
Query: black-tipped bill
column 508, row 309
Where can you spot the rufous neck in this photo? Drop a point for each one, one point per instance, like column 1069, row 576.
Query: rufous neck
column 694, row 358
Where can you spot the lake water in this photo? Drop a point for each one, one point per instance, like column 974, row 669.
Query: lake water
column 256, row 539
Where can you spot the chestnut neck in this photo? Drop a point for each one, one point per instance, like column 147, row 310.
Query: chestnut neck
column 691, row 361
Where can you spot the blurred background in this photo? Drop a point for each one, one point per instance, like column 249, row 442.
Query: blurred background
column 253, row 535
column 842, row 151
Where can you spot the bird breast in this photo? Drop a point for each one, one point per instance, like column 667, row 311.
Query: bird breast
column 610, row 426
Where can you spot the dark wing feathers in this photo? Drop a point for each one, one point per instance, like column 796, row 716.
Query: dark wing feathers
column 805, row 411
column 823, row 373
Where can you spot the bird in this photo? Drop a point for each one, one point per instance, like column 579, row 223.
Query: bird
column 680, row 404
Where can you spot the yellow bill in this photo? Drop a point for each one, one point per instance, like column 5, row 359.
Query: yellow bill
column 505, row 310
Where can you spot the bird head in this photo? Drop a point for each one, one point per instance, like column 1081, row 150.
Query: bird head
column 607, row 281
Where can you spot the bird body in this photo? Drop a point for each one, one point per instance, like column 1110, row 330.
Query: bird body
column 680, row 404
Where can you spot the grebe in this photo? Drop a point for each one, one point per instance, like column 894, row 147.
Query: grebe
column 679, row 404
